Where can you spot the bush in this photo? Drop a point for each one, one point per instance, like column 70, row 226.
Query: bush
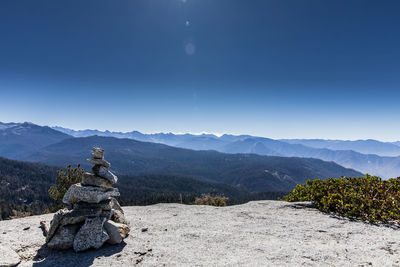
column 65, row 178
column 218, row 201
column 366, row 198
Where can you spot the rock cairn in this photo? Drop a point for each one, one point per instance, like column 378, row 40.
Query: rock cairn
column 92, row 216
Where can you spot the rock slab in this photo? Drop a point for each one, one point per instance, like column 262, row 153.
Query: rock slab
column 89, row 194
column 91, row 235
column 103, row 172
column 101, row 162
column 116, row 231
column 64, row 237
column 93, row 180
column 8, row 257
column 258, row 233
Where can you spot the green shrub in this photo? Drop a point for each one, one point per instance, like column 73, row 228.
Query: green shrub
column 210, row 200
column 366, row 198
column 65, row 178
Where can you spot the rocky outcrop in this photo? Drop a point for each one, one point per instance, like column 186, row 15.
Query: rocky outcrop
column 259, row 233
column 89, row 194
column 64, row 237
column 116, row 231
column 91, row 235
column 8, row 257
column 93, row 215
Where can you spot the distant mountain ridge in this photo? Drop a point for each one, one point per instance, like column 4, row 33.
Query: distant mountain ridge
column 347, row 153
column 17, row 139
column 362, row 146
column 36, row 138
column 210, row 141
column 251, row 172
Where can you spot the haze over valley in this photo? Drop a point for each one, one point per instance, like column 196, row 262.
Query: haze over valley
column 60, row 146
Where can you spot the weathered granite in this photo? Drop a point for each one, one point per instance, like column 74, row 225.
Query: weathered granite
column 108, row 214
column 101, row 162
column 93, row 180
column 103, row 205
column 89, row 205
column 90, row 194
column 116, row 231
column 68, row 216
column 98, row 153
column 80, row 215
column 115, row 205
column 119, row 217
column 55, row 223
column 8, row 257
column 64, row 237
column 104, row 173
column 91, row 235
column 258, row 233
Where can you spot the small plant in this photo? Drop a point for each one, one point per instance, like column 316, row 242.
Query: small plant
column 210, row 200
column 65, row 178
column 366, row 198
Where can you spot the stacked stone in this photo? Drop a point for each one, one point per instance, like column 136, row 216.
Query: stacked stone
column 92, row 216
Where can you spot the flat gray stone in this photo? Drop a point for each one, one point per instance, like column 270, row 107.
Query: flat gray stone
column 80, row 215
column 105, row 173
column 90, row 194
column 98, row 153
column 108, row 214
column 93, row 180
column 115, row 205
column 74, row 216
column 101, row 162
column 55, row 223
column 103, row 205
column 119, row 217
column 8, row 257
column 64, row 237
column 116, row 231
column 91, row 235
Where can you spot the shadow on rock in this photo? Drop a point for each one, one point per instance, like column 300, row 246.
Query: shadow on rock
column 65, row 258
column 300, row 205
column 310, row 205
column 378, row 224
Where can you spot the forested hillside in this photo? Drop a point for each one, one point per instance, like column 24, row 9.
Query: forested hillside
column 24, row 189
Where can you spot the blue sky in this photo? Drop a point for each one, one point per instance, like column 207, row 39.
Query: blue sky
column 280, row 69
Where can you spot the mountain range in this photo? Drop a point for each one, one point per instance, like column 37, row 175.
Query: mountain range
column 251, row 172
column 17, row 139
column 366, row 156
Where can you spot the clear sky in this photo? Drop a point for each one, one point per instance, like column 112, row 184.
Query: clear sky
column 273, row 68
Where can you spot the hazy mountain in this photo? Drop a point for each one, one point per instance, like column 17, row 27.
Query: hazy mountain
column 251, row 172
column 362, row 146
column 384, row 166
column 396, row 143
column 22, row 138
column 250, row 145
column 197, row 142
